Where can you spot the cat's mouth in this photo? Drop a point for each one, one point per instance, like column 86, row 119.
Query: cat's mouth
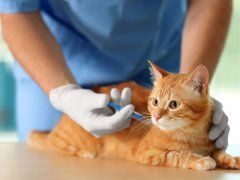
column 169, row 124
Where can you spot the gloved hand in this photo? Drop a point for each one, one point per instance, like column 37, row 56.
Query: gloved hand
column 90, row 110
column 220, row 128
column 122, row 99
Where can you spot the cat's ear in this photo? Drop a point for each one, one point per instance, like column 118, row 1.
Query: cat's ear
column 156, row 72
column 199, row 78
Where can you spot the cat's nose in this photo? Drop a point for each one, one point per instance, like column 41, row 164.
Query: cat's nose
column 157, row 117
column 158, row 114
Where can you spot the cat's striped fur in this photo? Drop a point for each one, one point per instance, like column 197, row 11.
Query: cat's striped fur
column 176, row 138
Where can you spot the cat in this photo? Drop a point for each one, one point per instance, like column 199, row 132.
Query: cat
column 174, row 132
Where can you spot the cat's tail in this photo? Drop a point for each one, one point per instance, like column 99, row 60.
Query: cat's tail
column 38, row 139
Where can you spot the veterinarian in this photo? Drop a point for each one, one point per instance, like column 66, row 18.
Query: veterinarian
column 64, row 47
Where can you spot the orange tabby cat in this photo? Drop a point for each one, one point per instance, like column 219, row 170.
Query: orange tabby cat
column 174, row 132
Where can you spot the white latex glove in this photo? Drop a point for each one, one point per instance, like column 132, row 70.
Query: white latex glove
column 90, row 110
column 123, row 99
column 220, row 128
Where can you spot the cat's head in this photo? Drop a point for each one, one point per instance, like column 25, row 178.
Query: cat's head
column 179, row 101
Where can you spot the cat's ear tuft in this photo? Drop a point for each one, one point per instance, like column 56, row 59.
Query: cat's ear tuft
column 156, row 72
column 199, row 78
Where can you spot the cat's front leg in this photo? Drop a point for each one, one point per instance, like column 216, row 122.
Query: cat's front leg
column 191, row 160
column 159, row 157
column 176, row 159
column 225, row 160
column 151, row 157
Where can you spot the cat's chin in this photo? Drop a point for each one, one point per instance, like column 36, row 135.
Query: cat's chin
column 169, row 124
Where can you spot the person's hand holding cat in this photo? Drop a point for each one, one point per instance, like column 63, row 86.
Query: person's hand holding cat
column 220, row 128
column 90, row 110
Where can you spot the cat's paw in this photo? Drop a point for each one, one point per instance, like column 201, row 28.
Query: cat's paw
column 86, row 154
column 237, row 164
column 226, row 162
column 205, row 163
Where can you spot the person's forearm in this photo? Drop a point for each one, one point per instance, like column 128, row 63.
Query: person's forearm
column 204, row 33
column 36, row 50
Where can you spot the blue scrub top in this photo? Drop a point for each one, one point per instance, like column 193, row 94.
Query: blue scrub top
column 109, row 41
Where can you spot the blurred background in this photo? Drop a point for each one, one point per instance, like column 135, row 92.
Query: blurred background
column 225, row 85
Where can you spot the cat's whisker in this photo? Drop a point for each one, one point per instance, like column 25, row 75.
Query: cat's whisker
column 140, row 128
column 146, row 113
column 135, row 123
column 147, row 122
column 148, row 119
column 144, row 130
column 139, row 125
column 136, row 126
column 147, row 129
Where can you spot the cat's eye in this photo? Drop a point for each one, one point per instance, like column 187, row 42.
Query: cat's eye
column 174, row 104
column 154, row 102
